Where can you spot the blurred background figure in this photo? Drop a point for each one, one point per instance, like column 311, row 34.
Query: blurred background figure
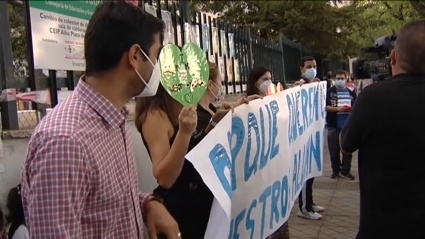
column 15, row 220
column 328, row 79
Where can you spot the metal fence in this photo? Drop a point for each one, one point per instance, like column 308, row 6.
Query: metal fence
column 235, row 50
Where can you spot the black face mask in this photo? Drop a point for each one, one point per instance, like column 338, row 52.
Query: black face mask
column 329, row 76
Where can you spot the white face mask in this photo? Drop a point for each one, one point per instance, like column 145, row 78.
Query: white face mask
column 264, row 86
column 152, row 86
column 220, row 94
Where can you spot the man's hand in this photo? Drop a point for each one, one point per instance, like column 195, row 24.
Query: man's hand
column 220, row 114
column 299, row 83
column 240, row 101
column 342, row 109
column 316, row 80
column 227, row 106
column 160, row 221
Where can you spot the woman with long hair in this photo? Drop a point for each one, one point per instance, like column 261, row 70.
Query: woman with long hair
column 259, row 80
column 168, row 135
column 15, row 227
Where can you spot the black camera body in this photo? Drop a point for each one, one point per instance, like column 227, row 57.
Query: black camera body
column 378, row 69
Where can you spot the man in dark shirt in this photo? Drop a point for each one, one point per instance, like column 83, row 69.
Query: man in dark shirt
column 387, row 126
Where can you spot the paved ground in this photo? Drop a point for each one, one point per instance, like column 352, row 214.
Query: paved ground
column 341, row 200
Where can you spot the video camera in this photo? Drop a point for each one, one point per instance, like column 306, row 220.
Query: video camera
column 377, row 69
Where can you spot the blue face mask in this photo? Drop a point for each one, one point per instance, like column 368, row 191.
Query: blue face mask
column 340, row 83
column 310, row 73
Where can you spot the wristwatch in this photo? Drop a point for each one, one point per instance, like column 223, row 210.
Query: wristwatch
column 212, row 123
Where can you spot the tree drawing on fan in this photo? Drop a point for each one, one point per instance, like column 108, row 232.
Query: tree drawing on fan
column 184, row 73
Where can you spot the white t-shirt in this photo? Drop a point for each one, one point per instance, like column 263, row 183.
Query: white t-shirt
column 20, row 233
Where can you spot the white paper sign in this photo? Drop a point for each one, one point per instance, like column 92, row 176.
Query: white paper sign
column 256, row 161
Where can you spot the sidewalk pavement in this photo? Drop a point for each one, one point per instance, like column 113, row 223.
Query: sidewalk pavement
column 340, row 197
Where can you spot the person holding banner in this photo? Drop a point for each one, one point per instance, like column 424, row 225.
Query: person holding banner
column 307, row 207
column 259, row 80
column 308, row 68
column 169, row 131
column 339, row 100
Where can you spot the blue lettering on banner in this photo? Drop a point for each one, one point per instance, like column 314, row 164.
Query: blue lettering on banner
column 250, row 224
column 264, row 152
column 305, row 157
column 309, row 100
column 278, row 193
column 220, row 158
column 251, row 169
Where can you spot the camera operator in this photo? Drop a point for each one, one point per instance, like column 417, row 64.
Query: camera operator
column 387, row 126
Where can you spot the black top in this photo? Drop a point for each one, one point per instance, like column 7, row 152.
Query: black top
column 306, row 80
column 387, row 125
column 331, row 100
column 189, row 200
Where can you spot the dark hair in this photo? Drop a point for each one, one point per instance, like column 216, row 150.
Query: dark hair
column 16, row 211
column 341, row 72
column 160, row 101
column 114, row 27
column 254, row 76
column 410, row 47
column 306, row 58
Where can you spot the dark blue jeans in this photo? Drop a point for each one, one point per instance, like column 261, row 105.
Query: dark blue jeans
column 338, row 166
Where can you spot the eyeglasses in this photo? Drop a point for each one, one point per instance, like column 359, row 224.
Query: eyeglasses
column 340, row 78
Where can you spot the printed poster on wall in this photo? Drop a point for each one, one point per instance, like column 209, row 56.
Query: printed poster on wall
column 230, row 74
column 222, row 67
column 215, row 40
column 150, row 9
column 231, row 44
column 57, row 30
column 236, row 68
column 195, row 35
column 169, row 29
column 205, row 37
column 188, row 33
column 223, row 42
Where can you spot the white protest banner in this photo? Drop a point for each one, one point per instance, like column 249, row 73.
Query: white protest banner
column 256, row 161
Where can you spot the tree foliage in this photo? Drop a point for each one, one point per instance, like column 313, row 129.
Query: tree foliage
column 337, row 32
column 18, row 40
